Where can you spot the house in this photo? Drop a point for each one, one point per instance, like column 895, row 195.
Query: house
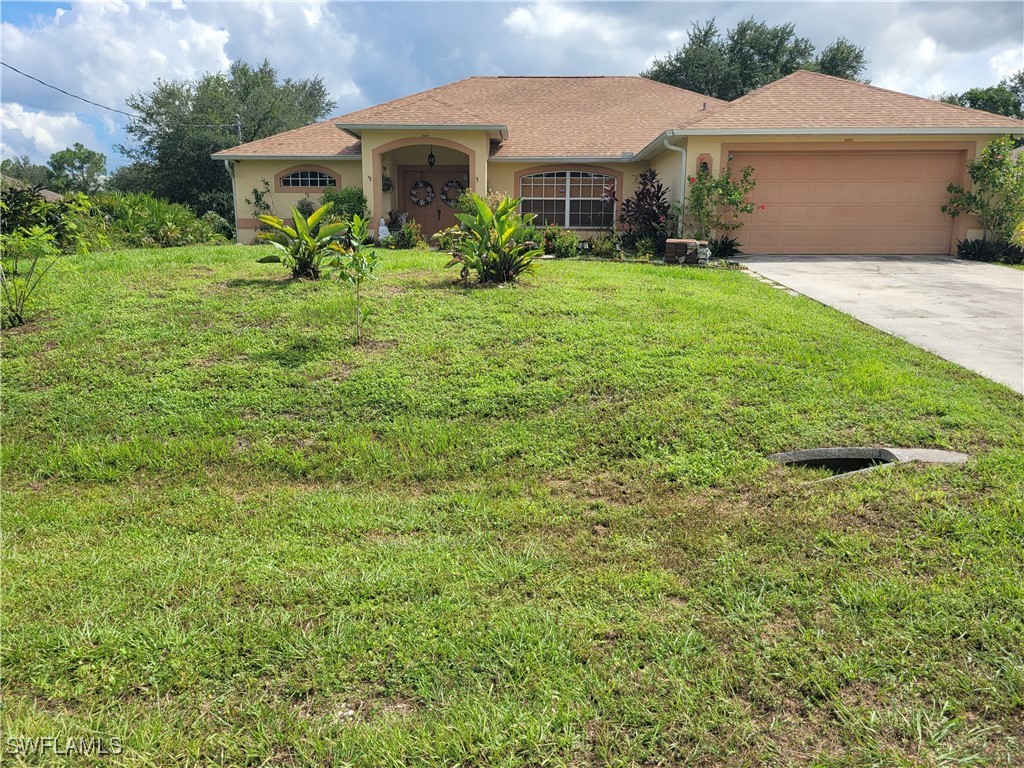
column 841, row 166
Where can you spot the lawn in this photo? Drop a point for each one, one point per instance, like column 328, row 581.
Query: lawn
column 516, row 527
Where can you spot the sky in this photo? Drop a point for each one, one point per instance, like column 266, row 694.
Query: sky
column 371, row 52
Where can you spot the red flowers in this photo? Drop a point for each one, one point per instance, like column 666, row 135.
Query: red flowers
column 762, row 207
column 693, row 179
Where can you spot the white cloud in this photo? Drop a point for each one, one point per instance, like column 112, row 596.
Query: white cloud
column 40, row 134
column 1007, row 62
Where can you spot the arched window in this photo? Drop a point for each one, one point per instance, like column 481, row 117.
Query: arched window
column 307, row 179
column 568, row 199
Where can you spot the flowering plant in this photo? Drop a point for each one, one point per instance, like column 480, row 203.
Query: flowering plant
column 714, row 204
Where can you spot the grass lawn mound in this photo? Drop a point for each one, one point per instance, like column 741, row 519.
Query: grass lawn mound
column 522, row 527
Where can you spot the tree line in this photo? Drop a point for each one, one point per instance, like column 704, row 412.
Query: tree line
column 178, row 124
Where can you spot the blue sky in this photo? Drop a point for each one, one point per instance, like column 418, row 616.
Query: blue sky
column 371, row 52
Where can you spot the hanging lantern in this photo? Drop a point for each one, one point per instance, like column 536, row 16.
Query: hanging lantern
column 430, row 158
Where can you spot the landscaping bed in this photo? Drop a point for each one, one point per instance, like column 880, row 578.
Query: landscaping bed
column 513, row 527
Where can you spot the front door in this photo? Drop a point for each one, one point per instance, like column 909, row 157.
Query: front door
column 430, row 195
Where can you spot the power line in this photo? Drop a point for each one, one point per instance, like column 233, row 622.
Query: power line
column 73, row 96
column 237, row 125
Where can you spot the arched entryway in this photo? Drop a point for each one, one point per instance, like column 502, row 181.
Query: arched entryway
column 427, row 178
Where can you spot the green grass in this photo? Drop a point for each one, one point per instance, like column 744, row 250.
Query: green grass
column 518, row 527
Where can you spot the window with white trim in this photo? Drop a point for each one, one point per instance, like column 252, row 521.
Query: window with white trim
column 308, row 179
column 568, row 199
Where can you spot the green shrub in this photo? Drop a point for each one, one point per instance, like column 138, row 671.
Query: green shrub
column 25, row 258
column 139, row 220
column 724, row 247
column 493, row 246
column 305, row 207
column 70, row 220
column 997, row 195
column 604, row 247
column 345, row 203
column 409, row 236
column 990, row 251
column 306, row 248
column 566, row 245
column 714, row 205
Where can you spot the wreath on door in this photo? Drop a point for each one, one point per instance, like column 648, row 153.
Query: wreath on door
column 421, row 193
column 446, row 193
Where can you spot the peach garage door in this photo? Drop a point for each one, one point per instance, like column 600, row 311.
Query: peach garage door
column 849, row 202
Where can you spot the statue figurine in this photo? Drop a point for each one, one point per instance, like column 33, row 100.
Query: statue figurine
column 382, row 229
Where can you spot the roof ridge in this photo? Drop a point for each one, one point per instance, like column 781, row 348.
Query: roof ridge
column 745, row 97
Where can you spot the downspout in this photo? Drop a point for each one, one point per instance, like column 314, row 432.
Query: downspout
column 229, row 165
column 682, row 184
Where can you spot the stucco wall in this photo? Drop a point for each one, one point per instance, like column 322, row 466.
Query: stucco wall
column 380, row 146
column 249, row 174
column 716, row 150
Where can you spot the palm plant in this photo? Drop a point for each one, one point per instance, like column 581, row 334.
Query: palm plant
column 304, row 248
column 494, row 246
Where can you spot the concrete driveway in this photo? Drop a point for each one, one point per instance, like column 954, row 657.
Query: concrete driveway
column 967, row 312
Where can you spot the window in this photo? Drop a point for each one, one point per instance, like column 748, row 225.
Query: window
column 568, row 199
column 307, row 179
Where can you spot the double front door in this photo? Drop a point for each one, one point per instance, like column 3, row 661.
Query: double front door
column 430, row 195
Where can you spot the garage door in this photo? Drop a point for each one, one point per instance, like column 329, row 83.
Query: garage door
column 850, row 202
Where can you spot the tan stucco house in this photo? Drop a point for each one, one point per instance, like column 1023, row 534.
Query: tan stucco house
column 841, row 167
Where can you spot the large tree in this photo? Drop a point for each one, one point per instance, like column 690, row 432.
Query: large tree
column 1006, row 98
column 23, row 169
column 749, row 56
column 78, row 169
column 181, row 123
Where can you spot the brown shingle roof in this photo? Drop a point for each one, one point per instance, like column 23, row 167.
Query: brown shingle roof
column 545, row 116
column 808, row 100
column 317, row 140
column 604, row 117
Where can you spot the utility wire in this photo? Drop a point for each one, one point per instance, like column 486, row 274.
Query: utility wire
column 73, row 96
column 121, row 112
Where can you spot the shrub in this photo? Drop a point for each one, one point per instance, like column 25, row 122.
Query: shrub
column 644, row 216
column 990, row 250
column 714, row 205
column 25, row 258
column 305, row 207
column 467, row 202
column 724, row 247
column 345, row 203
column 136, row 220
column 604, row 247
column 997, row 196
column 70, row 220
column 409, row 236
column 566, row 245
column 493, row 246
column 306, row 248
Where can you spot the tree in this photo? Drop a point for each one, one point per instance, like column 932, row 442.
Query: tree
column 23, row 169
column 749, row 56
column 181, row 123
column 997, row 193
column 135, row 177
column 841, row 59
column 78, row 169
column 1005, row 98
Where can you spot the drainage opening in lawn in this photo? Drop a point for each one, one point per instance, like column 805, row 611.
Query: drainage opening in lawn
column 826, row 463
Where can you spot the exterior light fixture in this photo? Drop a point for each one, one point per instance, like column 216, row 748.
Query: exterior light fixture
column 430, row 158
